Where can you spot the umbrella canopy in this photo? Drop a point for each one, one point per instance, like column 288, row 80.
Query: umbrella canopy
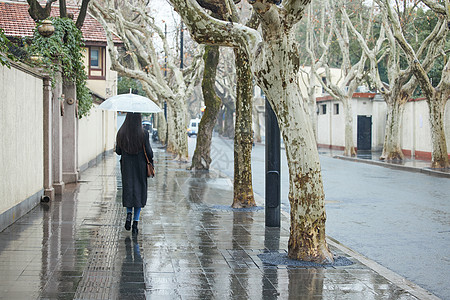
column 130, row 103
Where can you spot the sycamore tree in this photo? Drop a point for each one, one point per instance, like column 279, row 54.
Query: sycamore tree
column 202, row 155
column 243, row 190
column 419, row 60
column 135, row 26
column 274, row 59
column 387, row 53
column 225, row 81
column 331, row 27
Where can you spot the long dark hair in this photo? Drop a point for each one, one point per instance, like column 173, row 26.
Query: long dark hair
column 131, row 135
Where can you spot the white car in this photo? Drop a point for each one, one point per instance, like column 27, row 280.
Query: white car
column 193, row 127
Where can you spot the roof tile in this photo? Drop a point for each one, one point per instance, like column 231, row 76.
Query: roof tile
column 16, row 21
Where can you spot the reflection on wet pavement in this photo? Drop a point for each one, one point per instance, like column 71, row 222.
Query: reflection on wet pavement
column 187, row 248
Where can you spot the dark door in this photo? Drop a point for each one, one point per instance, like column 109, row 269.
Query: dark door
column 364, row 133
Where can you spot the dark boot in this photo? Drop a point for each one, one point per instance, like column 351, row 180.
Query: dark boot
column 135, row 227
column 128, row 222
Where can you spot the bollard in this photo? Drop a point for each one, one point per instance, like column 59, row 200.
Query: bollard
column 273, row 191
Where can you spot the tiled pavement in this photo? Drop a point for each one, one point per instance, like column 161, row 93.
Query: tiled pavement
column 191, row 245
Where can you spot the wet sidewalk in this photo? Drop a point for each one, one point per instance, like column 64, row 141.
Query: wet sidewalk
column 191, row 245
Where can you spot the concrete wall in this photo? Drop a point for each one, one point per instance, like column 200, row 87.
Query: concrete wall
column 416, row 139
column 22, row 146
column 415, row 127
column 96, row 135
column 331, row 126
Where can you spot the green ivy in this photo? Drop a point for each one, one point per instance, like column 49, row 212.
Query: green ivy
column 5, row 55
column 64, row 48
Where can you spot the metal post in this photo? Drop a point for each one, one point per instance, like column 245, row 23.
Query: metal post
column 273, row 191
column 181, row 45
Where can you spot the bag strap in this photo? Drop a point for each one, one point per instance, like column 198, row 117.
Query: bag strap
column 145, row 153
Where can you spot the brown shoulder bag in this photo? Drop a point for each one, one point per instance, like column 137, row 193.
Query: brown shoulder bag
column 150, row 169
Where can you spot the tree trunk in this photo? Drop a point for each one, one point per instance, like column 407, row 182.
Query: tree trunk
column 170, row 129
column 439, row 155
column 177, row 136
column 306, row 195
column 162, row 128
column 257, row 124
column 202, row 155
column 392, row 149
column 349, row 149
column 243, row 137
column 312, row 106
column 228, row 123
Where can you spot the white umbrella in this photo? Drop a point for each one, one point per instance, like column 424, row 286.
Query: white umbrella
column 130, row 103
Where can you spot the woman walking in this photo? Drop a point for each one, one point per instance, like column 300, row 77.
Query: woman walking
column 131, row 142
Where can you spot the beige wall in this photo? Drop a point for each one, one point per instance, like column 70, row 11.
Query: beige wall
column 96, row 134
column 21, row 124
column 104, row 88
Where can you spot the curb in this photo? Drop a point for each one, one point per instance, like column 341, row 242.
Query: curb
column 389, row 275
column 427, row 171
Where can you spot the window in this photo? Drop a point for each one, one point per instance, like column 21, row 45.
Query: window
column 336, row 108
column 97, row 65
column 323, row 109
column 95, row 58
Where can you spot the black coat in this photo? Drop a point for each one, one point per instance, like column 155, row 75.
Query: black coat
column 134, row 175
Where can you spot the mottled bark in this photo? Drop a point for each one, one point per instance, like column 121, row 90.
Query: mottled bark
column 306, row 195
column 228, row 130
column 177, row 137
column 392, row 149
column 275, row 65
column 243, row 138
column 439, row 154
column 162, row 128
column 349, row 143
column 257, row 124
column 202, row 155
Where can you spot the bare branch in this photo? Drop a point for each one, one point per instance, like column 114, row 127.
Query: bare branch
column 37, row 12
column 435, row 6
column 82, row 15
column 208, row 30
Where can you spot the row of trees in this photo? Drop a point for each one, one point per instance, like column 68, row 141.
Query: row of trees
column 395, row 48
column 363, row 45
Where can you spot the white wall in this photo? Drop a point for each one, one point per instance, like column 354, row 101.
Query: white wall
column 96, row 134
column 22, row 146
column 416, row 127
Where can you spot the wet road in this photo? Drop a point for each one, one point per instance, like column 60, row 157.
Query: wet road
column 399, row 219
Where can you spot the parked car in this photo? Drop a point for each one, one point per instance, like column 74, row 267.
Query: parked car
column 193, row 127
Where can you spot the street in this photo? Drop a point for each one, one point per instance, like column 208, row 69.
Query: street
column 398, row 219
